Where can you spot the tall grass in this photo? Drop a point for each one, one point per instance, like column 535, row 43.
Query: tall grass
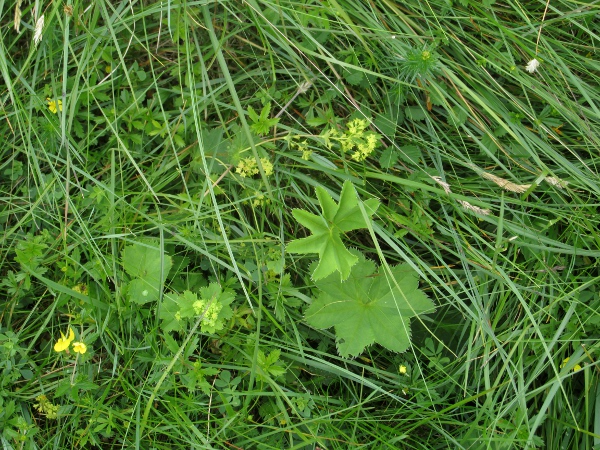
column 488, row 180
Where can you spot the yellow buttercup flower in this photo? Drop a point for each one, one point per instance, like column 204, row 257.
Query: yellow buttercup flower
column 576, row 367
column 54, row 106
column 402, row 370
column 64, row 342
column 79, row 347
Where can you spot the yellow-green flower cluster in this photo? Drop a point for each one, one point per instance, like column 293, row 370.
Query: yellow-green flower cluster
column 259, row 199
column 212, row 313
column 357, row 138
column 365, row 148
column 248, row 167
column 81, row 288
column 46, row 407
column 302, row 147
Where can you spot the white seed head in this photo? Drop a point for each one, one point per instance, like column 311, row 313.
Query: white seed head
column 532, row 65
column 475, row 209
column 17, row 19
column 443, row 184
column 304, row 87
column 561, row 184
column 39, row 26
column 509, row 186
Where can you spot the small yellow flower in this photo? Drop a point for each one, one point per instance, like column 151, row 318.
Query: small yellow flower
column 247, row 167
column 81, row 288
column 267, row 166
column 402, row 370
column 79, row 347
column 576, row 367
column 306, row 154
column 52, row 105
column 46, row 407
column 64, row 342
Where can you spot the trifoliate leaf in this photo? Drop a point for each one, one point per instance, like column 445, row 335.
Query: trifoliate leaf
column 369, row 307
column 327, row 228
column 145, row 264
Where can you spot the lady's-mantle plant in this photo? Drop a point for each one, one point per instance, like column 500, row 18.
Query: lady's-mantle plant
column 327, row 228
column 364, row 306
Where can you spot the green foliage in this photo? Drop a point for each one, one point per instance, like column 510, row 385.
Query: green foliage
column 261, row 124
column 418, row 64
column 269, row 365
column 355, row 139
column 370, row 307
column 213, row 307
column 30, row 251
column 283, row 296
column 327, row 228
column 14, row 362
column 388, row 158
column 148, row 267
column 114, row 145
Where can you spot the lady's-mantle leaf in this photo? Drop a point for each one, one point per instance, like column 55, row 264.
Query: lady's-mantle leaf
column 369, row 307
column 335, row 220
column 148, row 268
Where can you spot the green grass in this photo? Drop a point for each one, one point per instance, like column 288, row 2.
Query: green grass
column 487, row 177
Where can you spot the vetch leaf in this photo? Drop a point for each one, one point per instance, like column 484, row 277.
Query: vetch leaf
column 369, row 307
column 327, row 228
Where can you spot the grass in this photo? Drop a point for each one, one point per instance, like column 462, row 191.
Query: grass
column 488, row 186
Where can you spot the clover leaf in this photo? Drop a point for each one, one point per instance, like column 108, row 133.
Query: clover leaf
column 370, row 307
column 327, row 228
